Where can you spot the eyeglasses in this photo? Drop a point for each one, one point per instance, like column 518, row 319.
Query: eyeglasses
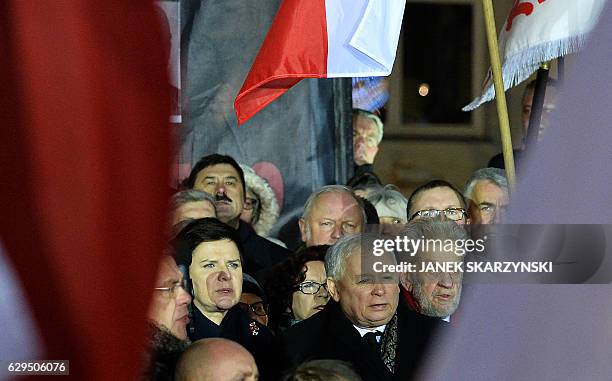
column 310, row 287
column 173, row 290
column 258, row 308
column 251, row 203
column 454, row 214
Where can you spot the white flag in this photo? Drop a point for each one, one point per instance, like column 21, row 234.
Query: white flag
column 538, row 31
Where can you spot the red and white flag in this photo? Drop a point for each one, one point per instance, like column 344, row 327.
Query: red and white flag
column 538, row 31
column 321, row 39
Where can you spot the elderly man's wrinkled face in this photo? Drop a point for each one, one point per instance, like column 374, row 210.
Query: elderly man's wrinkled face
column 169, row 307
column 367, row 298
column 223, row 182
column 442, row 199
column 437, row 293
column 194, row 210
column 488, row 203
column 332, row 216
column 313, row 295
column 365, row 140
column 216, row 274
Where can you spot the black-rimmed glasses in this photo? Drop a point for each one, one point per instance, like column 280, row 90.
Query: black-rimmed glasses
column 258, row 308
column 454, row 214
column 310, row 287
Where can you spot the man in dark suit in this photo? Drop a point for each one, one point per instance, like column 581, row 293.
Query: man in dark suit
column 363, row 325
column 222, row 177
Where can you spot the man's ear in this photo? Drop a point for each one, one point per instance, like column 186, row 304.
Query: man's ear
column 303, row 229
column 406, row 282
column 332, row 289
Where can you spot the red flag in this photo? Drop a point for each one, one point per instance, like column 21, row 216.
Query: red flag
column 85, row 160
column 321, row 39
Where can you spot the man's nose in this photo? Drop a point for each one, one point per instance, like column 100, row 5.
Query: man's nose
column 322, row 293
column 183, row 297
column 378, row 290
column 446, row 280
column 220, row 189
column 499, row 214
column 225, row 275
column 359, row 141
column 337, row 232
column 497, row 217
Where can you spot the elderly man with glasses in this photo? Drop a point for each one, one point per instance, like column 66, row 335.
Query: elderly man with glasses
column 437, row 198
column 435, row 294
column 169, row 317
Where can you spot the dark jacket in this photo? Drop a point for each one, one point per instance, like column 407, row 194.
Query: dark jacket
column 330, row 335
column 238, row 327
column 259, row 253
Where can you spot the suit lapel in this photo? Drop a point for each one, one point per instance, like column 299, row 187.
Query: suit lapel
column 348, row 338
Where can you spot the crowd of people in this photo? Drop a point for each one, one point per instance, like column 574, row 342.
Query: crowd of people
column 232, row 304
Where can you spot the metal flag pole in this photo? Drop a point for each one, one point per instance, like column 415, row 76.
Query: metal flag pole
column 500, row 95
column 537, row 106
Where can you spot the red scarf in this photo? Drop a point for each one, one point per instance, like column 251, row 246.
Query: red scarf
column 414, row 305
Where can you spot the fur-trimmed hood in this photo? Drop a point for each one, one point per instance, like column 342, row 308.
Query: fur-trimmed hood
column 269, row 209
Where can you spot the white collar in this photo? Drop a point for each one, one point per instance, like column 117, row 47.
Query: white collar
column 446, row 319
column 363, row 331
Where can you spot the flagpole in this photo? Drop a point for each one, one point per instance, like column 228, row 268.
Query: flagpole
column 560, row 71
column 537, row 106
column 500, row 95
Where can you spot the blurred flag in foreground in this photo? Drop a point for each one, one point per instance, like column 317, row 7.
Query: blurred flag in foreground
column 537, row 31
column 321, row 39
column 85, row 154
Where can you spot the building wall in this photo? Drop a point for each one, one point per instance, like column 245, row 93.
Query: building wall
column 409, row 162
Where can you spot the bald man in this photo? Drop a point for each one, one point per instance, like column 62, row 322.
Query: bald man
column 216, row 359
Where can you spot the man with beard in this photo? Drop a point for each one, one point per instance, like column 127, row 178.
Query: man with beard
column 434, row 294
column 168, row 317
column 222, row 177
